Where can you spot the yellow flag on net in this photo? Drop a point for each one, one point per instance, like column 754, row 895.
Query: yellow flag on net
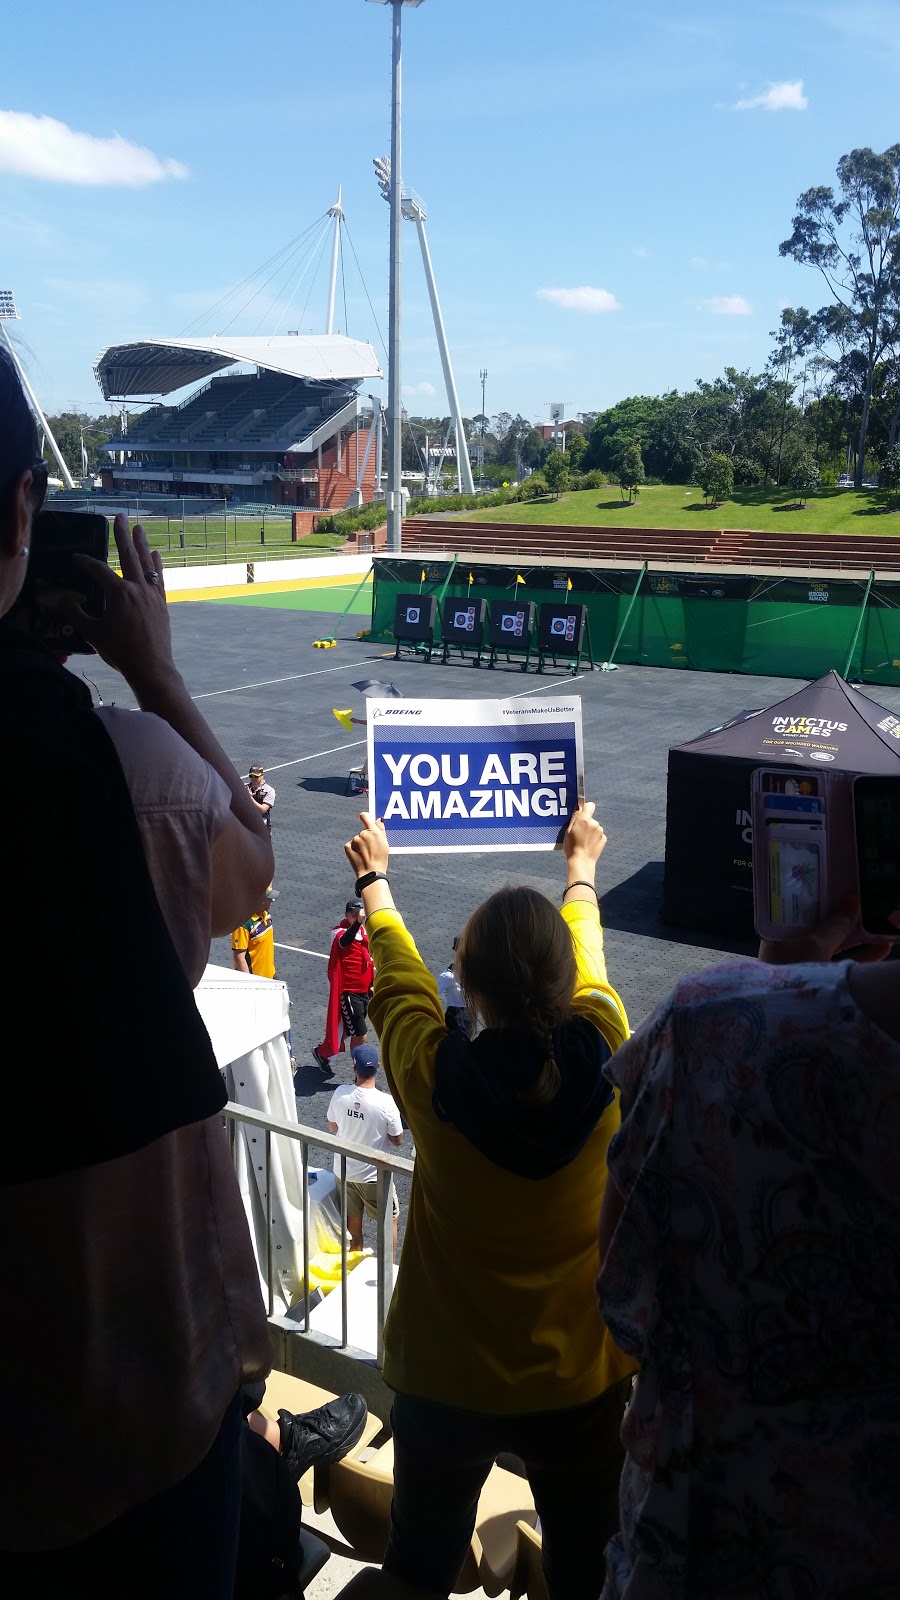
column 422, row 576
column 568, row 583
column 519, row 578
column 471, row 577
column 345, row 718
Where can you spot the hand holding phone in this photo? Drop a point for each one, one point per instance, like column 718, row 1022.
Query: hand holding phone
column 56, row 583
column 133, row 634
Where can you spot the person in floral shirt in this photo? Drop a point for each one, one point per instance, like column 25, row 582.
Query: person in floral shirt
column 750, row 1242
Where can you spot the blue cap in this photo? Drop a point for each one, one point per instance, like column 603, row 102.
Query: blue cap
column 365, row 1060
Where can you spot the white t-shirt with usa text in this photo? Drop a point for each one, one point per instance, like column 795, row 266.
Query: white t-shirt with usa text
column 367, row 1117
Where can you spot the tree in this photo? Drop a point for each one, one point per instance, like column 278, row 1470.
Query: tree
column 889, row 476
column 717, row 478
column 69, row 426
column 853, row 241
column 556, row 472
column 534, row 487
column 804, row 476
column 629, row 470
column 531, row 448
column 576, row 444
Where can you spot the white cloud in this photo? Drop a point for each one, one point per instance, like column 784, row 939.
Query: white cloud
column 425, row 390
column 41, row 147
column 786, row 96
column 640, row 250
column 728, row 305
column 590, row 302
column 703, row 264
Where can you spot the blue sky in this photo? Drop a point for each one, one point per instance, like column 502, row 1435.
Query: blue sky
column 649, row 154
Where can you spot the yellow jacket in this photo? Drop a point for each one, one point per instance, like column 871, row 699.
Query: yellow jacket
column 495, row 1309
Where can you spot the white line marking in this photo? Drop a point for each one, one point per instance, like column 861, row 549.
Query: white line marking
column 333, row 751
column 267, row 682
column 300, row 950
column 561, row 683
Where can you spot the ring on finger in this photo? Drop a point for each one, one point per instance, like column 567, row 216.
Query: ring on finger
column 151, row 575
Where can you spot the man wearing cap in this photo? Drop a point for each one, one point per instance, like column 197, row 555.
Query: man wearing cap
column 350, row 976
column 253, row 943
column 363, row 1114
column 261, row 793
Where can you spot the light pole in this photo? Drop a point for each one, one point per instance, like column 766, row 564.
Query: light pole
column 395, row 416
column 484, row 377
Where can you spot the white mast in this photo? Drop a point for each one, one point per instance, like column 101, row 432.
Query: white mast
column 337, row 213
column 414, row 211
column 8, row 313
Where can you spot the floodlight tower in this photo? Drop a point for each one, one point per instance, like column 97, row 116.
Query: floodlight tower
column 9, row 313
column 395, row 416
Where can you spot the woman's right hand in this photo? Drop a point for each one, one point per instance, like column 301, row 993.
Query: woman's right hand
column 584, row 838
column 369, row 851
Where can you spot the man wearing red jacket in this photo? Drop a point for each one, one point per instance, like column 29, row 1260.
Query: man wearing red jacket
column 350, row 976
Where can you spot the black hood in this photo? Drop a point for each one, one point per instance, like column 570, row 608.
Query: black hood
column 478, row 1087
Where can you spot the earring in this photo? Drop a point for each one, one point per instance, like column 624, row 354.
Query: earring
column 24, row 550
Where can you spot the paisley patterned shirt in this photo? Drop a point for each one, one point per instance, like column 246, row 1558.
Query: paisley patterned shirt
column 755, row 1273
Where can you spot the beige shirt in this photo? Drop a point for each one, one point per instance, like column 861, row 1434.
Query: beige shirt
column 131, row 1309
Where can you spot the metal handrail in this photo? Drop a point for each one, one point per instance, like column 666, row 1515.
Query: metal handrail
column 385, row 1166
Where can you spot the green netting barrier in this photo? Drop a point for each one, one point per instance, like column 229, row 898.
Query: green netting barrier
column 715, row 622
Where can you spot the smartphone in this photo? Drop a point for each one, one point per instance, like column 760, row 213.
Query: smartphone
column 56, row 537
column 876, row 809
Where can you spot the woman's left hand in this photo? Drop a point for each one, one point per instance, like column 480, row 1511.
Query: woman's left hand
column 369, row 851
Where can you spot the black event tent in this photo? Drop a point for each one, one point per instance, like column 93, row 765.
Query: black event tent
column 708, row 878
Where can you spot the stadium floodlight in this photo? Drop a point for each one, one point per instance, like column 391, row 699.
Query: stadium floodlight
column 395, row 420
column 382, row 165
column 8, row 313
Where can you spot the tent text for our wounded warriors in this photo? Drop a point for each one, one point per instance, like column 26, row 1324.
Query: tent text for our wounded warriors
column 478, row 775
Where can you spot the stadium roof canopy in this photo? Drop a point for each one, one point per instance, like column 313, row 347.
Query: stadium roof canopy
column 160, row 366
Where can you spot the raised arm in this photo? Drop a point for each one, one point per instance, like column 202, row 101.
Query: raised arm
column 134, row 636
column 583, row 844
column 405, row 1010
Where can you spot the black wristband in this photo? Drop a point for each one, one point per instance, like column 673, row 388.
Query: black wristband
column 581, row 883
column 367, row 878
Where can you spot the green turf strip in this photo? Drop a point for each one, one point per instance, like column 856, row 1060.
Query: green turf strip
column 329, row 598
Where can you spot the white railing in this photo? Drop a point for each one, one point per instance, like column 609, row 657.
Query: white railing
column 385, row 1165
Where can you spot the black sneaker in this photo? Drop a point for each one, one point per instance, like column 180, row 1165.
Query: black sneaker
column 322, row 1062
column 319, row 1438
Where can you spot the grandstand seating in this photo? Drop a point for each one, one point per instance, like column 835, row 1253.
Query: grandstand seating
column 238, row 411
column 722, row 548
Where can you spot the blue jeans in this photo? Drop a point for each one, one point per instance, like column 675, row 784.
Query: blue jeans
column 181, row 1543
column 573, row 1461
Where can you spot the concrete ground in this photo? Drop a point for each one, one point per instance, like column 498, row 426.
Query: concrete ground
column 268, row 696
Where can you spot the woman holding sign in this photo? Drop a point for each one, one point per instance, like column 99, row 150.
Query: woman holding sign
column 493, row 1342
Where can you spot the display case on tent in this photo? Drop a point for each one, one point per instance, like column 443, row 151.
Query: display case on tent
column 708, row 882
